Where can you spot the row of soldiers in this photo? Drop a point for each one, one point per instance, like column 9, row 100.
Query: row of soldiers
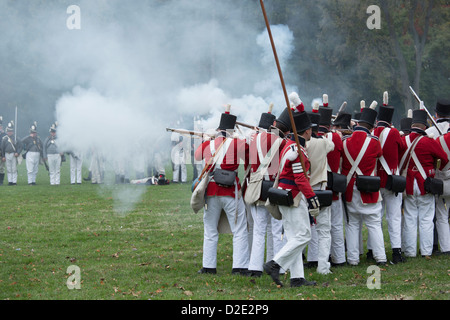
column 34, row 151
column 302, row 189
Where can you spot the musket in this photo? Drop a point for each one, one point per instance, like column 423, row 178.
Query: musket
column 422, row 106
column 191, row 133
column 247, row 126
column 342, row 108
column 286, row 97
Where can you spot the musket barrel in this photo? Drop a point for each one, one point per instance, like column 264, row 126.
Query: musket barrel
column 422, row 105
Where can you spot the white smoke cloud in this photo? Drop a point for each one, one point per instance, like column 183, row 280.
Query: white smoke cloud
column 136, row 68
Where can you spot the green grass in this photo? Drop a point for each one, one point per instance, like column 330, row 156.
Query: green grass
column 154, row 251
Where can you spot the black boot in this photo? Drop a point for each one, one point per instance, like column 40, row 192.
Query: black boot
column 207, row 270
column 2, row 177
column 89, row 177
column 397, row 256
column 298, row 282
column 273, row 270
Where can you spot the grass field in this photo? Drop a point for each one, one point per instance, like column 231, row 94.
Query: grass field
column 152, row 249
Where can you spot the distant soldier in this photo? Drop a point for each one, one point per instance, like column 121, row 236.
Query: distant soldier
column 32, row 145
column 53, row 155
column 178, row 157
column 76, row 165
column 11, row 149
column 2, row 164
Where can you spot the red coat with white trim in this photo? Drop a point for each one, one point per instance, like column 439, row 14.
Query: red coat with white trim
column 292, row 176
column 237, row 151
column 335, row 156
column 392, row 149
column 428, row 151
column 367, row 165
column 267, row 140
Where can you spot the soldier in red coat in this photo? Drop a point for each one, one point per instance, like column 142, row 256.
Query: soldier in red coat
column 227, row 198
column 363, row 205
column 393, row 146
column 418, row 164
column 296, row 219
column 441, row 224
column 271, row 138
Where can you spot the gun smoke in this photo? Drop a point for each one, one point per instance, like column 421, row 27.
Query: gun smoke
column 134, row 69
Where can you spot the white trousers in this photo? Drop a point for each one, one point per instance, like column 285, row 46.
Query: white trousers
column 76, row 164
column 238, row 224
column 54, row 167
column 393, row 206
column 297, row 229
column 262, row 219
column 11, row 167
column 32, row 162
column 369, row 214
column 179, row 165
column 320, row 245
column 442, row 225
column 337, row 250
column 418, row 213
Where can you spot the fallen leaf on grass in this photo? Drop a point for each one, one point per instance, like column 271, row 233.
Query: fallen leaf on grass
column 188, row 293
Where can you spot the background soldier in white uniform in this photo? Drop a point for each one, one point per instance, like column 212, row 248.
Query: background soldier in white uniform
column 32, row 145
column 53, row 155
column 11, row 149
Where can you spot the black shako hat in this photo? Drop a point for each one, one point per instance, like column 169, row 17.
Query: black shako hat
column 285, row 119
column 326, row 114
column 443, row 108
column 343, row 120
column 314, row 117
column 385, row 113
column 420, row 116
column 302, row 121
column 266, row 120
column 369, row 116
column 227, row 120
column 405, row 124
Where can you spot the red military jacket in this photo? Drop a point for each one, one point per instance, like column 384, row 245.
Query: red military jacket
column 428, row 151
column 267, row 139
column 237, row 151
column 392, row 148
column 292, row 176
column 335, row 156
column 367, row 165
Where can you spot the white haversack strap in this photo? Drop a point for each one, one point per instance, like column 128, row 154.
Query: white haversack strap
column 383, row 137
column 355, row 163
column 218, row 158
column 266, row 160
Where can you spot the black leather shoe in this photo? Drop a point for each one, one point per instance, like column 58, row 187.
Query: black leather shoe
column 273, row 270
column 299, row 282
column 397, row 256
column 207, row 270
column 255, row 274
column 240, row 271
